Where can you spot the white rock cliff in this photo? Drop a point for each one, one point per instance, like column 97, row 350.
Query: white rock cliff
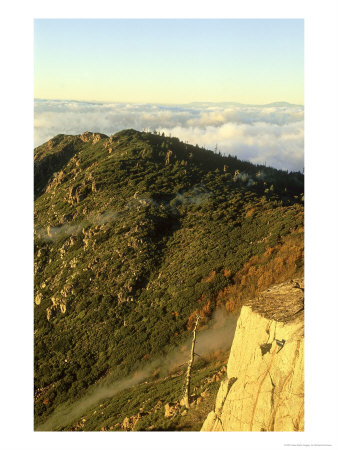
column 264, row 390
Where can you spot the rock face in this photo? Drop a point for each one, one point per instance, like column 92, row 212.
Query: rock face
column 264, row 390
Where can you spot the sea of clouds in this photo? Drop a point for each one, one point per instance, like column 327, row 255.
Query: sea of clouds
column 266, row 134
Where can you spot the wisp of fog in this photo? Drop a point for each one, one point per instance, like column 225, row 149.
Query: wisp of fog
column 218, row 336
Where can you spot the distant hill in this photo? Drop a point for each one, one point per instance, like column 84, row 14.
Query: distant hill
column 230, row 104
column 279, row 104
column 134, row 234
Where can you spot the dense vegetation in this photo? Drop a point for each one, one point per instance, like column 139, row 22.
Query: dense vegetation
column 136, row 232
column 144, row 403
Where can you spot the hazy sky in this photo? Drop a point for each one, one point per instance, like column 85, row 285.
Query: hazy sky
column 170, row 61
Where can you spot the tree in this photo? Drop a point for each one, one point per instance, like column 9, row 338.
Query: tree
column 188, row 377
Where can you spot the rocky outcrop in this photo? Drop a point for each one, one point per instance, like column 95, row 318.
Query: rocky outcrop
column 129, row 423
column 38, row 298
column 57, row 303
column 46, row 165
column 264, row 390
column 87, row 136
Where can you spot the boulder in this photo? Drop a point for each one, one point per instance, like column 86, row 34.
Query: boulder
column 205, row 393
column 171, row 408
column 38, row 298
column 126, row 424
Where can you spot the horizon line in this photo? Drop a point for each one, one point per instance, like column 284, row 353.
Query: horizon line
column 275, row 103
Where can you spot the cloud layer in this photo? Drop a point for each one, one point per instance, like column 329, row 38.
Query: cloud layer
column 271, row 134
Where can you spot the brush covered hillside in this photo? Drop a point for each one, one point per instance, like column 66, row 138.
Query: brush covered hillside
column 134, row 234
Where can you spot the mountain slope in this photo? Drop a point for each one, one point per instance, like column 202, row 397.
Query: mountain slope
column 134, row 234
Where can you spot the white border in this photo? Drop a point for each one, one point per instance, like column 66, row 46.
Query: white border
column 321, row 118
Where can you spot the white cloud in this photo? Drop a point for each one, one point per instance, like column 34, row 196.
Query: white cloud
column 271, row 134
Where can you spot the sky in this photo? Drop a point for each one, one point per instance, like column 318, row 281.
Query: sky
column 169, row 60
column 206, row 81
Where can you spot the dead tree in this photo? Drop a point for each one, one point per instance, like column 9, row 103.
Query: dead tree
column 188, row 377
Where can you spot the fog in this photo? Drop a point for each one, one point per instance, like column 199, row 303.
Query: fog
column 218, row 336
column 271, row 134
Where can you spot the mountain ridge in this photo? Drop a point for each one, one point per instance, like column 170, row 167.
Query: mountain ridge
column 137, row 232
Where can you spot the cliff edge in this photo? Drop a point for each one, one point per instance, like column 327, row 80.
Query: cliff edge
column 264, row 390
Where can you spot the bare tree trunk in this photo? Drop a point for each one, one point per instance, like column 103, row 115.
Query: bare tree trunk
column 192, row 354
